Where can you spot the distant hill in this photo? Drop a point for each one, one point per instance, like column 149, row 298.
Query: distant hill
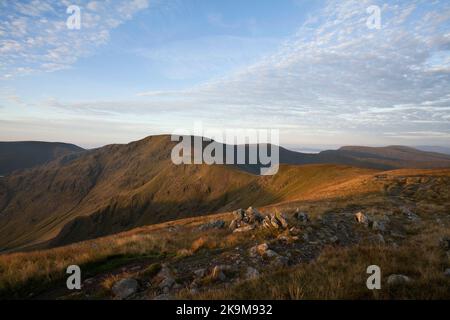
column 382, row 158
column 27, row 154
column 444, row 150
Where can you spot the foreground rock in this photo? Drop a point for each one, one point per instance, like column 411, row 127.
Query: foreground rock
column 124, row 288
column 398, row 279
column 218, row 224
column 251, row 273
column 165, row 279
column 245, row 220
column 362, row 218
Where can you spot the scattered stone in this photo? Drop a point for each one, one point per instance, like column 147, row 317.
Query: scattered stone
column 301, row 216
column 218, row 274
column 200, row 273
column 444, row 243
column 397, row 279
column 218, row 224
column 378, row 226
column 239, row 214
column 165, row 278
column 410, row 215
column 280, row 261
column 361, row 218
column 244, row 229
column 88, row 281
column 253, row 216
column 334, row 239
column 233, row 224
column 270, row 254
column 281, row 218
column 259, row 249
column 274, row 221
column 251, row 273
column 125, row 288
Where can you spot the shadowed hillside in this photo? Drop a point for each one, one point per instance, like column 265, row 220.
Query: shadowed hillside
column 118, row 187
column 27, row 154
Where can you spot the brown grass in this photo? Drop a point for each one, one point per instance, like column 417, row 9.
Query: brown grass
column 341, row 274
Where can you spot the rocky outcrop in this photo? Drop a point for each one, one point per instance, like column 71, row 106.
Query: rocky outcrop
column 125, row 288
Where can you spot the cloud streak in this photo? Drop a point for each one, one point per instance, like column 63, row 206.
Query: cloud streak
column 34, row 36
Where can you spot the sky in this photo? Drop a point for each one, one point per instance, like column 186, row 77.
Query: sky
column 314, row 69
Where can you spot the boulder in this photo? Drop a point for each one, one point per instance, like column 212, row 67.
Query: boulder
column 397, row 279
column 447, row 272
column 125, row 288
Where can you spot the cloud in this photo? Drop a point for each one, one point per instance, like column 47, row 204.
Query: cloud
column 334, row 79
column 34, row 36
column 336, row 73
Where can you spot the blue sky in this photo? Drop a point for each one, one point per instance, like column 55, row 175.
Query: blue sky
column 312, row 69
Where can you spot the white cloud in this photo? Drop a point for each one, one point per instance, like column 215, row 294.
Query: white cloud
column 34, row 36
column 337, row 74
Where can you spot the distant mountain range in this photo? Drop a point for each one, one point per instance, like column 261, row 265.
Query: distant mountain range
column 84, row 194
column 27, row 154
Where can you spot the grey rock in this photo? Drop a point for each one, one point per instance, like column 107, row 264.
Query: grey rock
column 253, row 216
column 447, row 272
column 334, row 239
column 125, row 288
column 251, row 273
column 200, row 272
column 244, row 229
column 301, row 216
column 217, row 273
column 218, row 224
column 282, row 219
column 274, row 222
column 397, row 279
column 165, row 277
column 270, row 254
column 378, row 226
column 280, row 261
column 444, row 243
column 259, row 249
column 362, row 218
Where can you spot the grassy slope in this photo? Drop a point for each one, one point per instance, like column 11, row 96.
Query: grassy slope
column 331, row 276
